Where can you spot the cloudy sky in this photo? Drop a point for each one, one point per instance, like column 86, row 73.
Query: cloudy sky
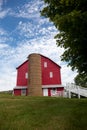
column 22, row 32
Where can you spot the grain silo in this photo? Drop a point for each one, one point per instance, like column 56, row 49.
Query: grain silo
column 35, row 78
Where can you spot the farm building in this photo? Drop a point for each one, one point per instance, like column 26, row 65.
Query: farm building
column 38, row 76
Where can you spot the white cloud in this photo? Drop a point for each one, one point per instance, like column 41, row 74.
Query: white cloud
column 67, row 75
column 4, row 13
column 29, row 10
column 3, row 46
column 7, row 80
column 29, row 30
column 1, row 3
column 2, row 31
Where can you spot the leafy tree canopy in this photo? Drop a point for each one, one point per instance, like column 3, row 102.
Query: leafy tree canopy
column 70, row 18
column 81, row 80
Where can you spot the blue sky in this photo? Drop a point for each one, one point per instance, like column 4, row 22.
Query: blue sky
column 22, row 32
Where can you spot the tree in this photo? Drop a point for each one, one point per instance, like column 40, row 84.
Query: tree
column 70, row 18
column 81, row 80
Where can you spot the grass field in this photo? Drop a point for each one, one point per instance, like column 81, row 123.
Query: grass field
column 42, row 113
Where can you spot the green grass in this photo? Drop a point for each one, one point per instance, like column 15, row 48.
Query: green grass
column 42, row 113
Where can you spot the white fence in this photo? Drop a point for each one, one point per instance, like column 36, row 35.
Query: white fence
column 72, row 88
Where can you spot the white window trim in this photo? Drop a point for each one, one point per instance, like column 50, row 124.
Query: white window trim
column 45, row 64
column 26, row 75
column 51, row 74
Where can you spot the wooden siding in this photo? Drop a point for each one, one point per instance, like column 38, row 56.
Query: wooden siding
column 21, row 72
column 51, row 67
column 38, row 75
column 17, row 92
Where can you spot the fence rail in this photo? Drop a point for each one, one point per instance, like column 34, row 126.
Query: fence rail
column 72, row 88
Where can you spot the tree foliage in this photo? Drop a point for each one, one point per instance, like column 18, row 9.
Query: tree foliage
column 81, row 80
column 70, row 18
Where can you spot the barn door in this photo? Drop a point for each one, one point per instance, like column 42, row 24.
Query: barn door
column 53, row 91
column 45, row 92
column 23, row 92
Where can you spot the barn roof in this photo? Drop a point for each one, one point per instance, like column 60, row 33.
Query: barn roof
column 50, row 60
column 22, row 64
column 40, row 55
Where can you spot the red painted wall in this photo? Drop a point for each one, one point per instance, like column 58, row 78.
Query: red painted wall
column 51, row 67
column 21, row 71
column 46, row 80
column 49, row 91
column 58, row 90
column 17, row 92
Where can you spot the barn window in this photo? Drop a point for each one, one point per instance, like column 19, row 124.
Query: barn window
column 23, row 92
column 51, row 74
column 45, row 64
column 26, row 75
column 53, row 90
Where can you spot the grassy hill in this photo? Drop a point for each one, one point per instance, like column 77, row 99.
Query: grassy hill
column 42, row 113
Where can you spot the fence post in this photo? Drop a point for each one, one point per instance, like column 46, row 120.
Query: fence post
column 69, row 86
column 69, row 94
column 78, row 93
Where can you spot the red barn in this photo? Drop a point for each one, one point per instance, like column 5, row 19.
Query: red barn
column 38, row 76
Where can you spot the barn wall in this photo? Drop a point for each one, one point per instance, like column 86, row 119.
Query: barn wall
column 60, row 89
column 17, row 92
column 51, row 67
column 21, row 72
column 49, row 92
column 57, row 91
